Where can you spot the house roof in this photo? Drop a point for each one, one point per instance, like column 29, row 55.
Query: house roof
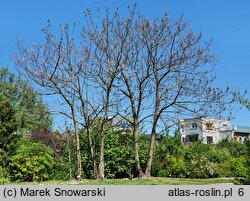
column 242, row 129
column 203, row 119
column 121, row 123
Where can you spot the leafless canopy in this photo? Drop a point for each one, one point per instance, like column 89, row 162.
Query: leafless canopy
column 149, row 71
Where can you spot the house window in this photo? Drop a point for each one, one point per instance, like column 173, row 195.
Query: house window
column 240, row 139
column 192, row 138
column 209, row 126
column 194, row 126
column 209, row 139
column 182, row 128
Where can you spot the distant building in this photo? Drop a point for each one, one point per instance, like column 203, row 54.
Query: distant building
column 211, row 130
column 241, row 133
column 119, row 123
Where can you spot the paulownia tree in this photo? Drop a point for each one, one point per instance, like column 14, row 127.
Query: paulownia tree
column 107, row 47
column 167, row 73
column 52, row 66
column 180, row 65
column 153, row 71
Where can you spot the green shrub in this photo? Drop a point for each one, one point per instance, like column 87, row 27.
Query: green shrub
column 119, row 156
column 235, row 167
column 32, row 162
column 4, row 176
column 119, row 163
column 175, row 167
column 200, row 167
column 236, row 149
column 60, row 171
column 246, row 180
column 218, row 155
column 163, row 173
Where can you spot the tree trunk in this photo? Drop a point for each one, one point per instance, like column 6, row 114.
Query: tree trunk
column 92, row 152
column 150, row 152
column 101, row 166
column 101, row 163
column 153, row 132
column 69, row 155
column 136, row 149
column 78, row 151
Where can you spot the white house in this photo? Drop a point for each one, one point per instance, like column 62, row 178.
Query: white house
column 211, row 130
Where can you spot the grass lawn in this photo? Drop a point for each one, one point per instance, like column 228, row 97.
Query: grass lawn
column 149, row 181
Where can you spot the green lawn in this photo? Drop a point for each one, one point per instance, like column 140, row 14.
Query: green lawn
column 149, row 181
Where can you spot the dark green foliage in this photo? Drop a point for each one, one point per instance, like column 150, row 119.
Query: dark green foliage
column 30, row 111
column 60, row 170
column 246, row 180
column 236, row 149
column 119, row 154
column 169, row 157
column 8, row 126
column 23, row 114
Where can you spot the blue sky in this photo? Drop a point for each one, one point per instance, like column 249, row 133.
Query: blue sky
column 226, row 22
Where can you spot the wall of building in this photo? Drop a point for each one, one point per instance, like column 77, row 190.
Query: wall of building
column 208, row 130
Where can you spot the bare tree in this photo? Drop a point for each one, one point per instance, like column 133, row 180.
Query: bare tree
column 119, row 62
column 107, row 52
column 151, row 71
column 51, row 66
column 174, row 56
column 134, row 85
column 168, row 72
column 182, row 74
